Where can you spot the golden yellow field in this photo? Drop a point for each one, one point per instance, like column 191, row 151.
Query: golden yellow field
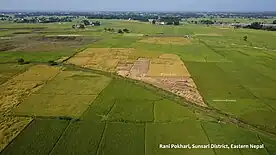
column 80, row 61
column 75, row 83
column 167, row 65
column 14, row 91
column 68, row 94
column 166, row 40
column 10, row 127
column 105, row 59
column 38, row 73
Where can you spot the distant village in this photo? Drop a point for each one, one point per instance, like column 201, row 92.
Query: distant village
column 158, row 18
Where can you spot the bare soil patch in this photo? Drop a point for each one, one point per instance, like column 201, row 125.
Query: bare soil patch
column 140, row 67
column 176, row 80
column 181, row 86
column 166, row 40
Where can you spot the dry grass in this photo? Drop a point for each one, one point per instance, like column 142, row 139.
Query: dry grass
column 166, row 40
column 38, row 73
column 10, row 127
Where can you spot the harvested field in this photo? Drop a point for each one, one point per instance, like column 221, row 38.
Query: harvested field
column 167, row 72
column 166, row 40
column 124, row 69
column 10, row 127
column 140, row 68
column 181, row 86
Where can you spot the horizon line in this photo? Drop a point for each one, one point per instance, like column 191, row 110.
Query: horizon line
column 90, row 11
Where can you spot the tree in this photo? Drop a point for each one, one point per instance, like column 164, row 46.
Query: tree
column 120, row 31
column 20, row 61
column 96, row 23
column 169, row 23
column 86, row 22
column 126, row 30
column 274, row 22
column 245, row 38
column 256, row 25
column 82, row 26
column 176, row 22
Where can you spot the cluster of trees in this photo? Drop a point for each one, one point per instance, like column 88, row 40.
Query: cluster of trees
column 207, row 22
column 44, row 19
column 118, row 31
column 261, row 26
column 170, row 20
column 87, row 23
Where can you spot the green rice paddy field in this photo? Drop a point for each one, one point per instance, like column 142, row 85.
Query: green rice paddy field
column 83, row 111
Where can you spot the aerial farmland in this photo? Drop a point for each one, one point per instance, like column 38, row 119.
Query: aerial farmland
column 156, row 90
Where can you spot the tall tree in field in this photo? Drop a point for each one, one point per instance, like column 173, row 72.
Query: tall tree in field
column 245, row 38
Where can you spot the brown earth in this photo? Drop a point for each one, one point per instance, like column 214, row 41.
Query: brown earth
column 183, row 86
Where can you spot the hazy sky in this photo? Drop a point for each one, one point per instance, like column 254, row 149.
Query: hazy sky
column 139, row 5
